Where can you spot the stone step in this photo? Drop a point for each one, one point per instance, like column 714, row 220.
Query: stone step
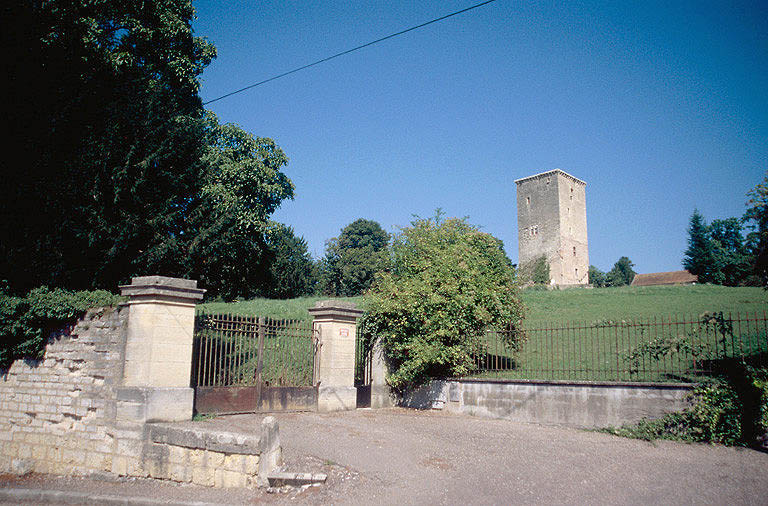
column 295, row 479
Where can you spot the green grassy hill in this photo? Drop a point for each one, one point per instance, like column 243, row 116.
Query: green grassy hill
column 290, row 309
column 575, row 304
column 590, row 305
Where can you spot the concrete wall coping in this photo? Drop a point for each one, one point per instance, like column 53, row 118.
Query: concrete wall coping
column 580, row 383
column 191, row 435
column 176, row 288
column 331, row 309
column 205, row 439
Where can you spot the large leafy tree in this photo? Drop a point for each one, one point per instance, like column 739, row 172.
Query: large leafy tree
column 352, row 260
column 241, row 186
column 596, row 277
column 448, row 282
column 757, row 214
column 112, row 168
column 621, row 274
column 292, row 271
column 732, row 261
column 719, row 253
column 102, row 124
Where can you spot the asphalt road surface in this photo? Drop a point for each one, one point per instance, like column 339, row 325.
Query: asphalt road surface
column 400, row 456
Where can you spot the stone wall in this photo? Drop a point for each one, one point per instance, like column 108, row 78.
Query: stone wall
column 576, row 404
column 70, row 413
column 57, row 414
column 183, row 453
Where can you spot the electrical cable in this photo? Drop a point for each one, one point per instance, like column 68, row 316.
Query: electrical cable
column 348, row 51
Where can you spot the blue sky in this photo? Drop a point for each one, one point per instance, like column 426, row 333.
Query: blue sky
column 661, row 107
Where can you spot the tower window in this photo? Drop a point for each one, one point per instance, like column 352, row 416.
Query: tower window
column 577, row 273
column 534, row 230
column 528, row 200
column 549, row 179
column 574, row 251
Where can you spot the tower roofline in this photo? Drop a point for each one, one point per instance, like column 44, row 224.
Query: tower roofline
column 549, row 173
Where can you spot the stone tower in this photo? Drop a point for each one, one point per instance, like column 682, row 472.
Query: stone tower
column 552, row 221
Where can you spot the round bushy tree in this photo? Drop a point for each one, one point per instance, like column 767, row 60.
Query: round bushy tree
column 621, row 274
column 448, row 283
column 352, row 260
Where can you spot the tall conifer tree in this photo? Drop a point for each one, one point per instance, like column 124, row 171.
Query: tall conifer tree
column 699, row 257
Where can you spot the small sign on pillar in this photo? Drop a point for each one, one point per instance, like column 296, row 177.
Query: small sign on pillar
column 336, row 323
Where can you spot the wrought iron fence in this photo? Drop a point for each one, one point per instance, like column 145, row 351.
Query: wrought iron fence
column 669, row 349
column 362, row 359
column 237, row 350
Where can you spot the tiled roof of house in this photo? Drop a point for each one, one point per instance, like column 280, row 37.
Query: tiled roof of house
column 665, row 278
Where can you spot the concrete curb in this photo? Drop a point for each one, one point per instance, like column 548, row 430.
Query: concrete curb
column 41, row 496
column 295, row 479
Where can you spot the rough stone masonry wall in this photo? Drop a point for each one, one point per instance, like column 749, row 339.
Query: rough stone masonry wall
column 67, row 414
column 57, row 414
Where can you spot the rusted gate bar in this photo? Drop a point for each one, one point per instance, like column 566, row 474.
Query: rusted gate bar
column 248, row 364
column 260, row 360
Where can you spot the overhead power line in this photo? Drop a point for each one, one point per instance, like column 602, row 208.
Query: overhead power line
column 391, row 36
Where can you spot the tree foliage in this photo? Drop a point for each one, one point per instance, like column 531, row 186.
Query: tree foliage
column 292, row 271
column 448, row 282
column 101, row 120
column 241, row 186
column 699, row 258
column 732, row 261
column 757, row 214
column 535, row 272
column 621, row 274
column 719, row 253
column 596, row 277
column 352, row 260
column 112, row 167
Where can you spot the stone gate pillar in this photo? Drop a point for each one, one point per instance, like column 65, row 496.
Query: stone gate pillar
column 381, row 393
column 158, row 350
column 336, row 323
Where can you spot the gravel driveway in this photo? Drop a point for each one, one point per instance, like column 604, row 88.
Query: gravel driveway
column 399, row 456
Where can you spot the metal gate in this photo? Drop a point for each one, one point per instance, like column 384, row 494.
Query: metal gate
column 362, row 371
column 244, row 364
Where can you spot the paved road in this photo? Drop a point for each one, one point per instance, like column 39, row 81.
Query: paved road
column 402, row 456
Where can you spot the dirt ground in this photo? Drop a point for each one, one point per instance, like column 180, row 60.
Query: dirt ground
column 399, row 456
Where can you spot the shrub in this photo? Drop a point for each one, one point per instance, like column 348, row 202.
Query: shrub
column 535, row 272
column 26, row 322
column 728, row 410
column 448, row 283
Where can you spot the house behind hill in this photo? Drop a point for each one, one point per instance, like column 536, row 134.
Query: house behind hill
column 665, row 278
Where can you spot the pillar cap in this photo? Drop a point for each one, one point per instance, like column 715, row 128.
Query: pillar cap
column 334, row 308
column 163, row 286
